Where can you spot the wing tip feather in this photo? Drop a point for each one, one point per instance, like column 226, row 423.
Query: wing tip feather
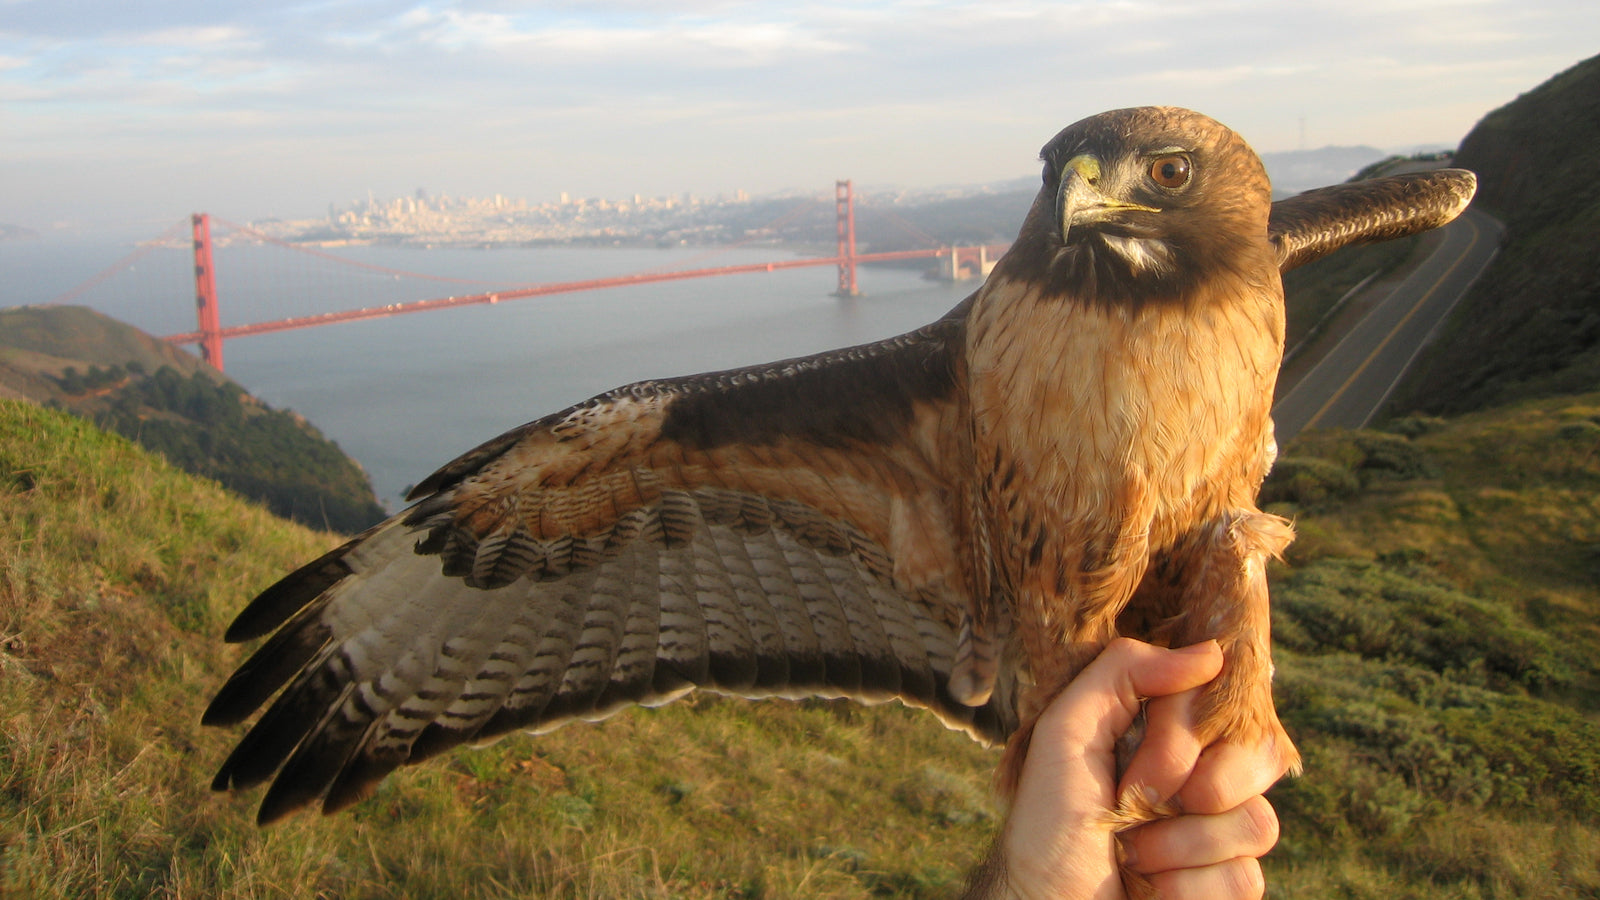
column 282, row 600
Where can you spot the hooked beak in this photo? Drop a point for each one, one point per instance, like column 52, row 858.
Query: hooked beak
column 1079, row 200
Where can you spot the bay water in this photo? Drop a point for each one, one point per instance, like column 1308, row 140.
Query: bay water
column 404, row 395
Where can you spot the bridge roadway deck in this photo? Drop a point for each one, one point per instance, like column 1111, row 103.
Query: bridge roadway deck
column 542, row 290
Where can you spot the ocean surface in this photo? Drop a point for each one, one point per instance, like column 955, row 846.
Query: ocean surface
column 406, row 394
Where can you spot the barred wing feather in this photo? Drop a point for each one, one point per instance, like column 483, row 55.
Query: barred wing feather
column 1306, row 227
column 783, row 531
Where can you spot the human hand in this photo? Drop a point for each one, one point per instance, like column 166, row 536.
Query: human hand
column 1059, row 840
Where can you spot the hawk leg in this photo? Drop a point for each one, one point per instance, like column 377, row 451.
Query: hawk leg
column 1226, row 600
column 1224, row 597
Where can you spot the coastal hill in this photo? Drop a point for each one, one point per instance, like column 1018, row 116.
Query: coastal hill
column 1531, row 325
column 126, row 381
column 37, row 344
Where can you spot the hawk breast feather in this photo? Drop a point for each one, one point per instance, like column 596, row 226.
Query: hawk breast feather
column 787, row 530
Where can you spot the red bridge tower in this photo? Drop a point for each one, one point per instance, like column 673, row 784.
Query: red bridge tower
column 845, row 204
column 205, row 293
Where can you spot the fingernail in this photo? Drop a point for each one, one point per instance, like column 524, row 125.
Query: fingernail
column 1204, row 647
column 1130, row 855
column 1151, row 796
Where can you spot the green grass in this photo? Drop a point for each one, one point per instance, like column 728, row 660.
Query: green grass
column 1437, row 631
column 1437, row 644
column 118, row 574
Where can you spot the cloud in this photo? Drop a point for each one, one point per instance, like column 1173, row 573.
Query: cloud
column 706, row 95
column 213, row 37
column 692, row 44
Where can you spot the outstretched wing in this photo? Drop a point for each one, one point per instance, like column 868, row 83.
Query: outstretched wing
column 783, row 530
column 1309, row 226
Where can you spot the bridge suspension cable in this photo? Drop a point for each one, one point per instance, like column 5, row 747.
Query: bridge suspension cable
column 160, row 240
column 210, row 333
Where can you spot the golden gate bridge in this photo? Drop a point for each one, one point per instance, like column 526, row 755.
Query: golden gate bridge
column 210, row 333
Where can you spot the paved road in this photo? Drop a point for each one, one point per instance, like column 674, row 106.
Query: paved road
column 1353, row 381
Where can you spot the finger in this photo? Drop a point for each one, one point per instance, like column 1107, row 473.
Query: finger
column 1057, row 833
column 1195, row 841
column 1169, row 750
column 1228, row 774
column 1099, row 705
column 1236, row 878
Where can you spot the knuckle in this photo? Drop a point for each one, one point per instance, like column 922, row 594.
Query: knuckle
column 1125, row 646
column 1205, row 796
column 1260, row 824
column 1244, row 879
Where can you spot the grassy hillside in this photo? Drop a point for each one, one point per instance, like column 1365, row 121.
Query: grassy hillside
column 1531, row 326
column 36, row 342
column 1438, row 638
column 1438, row 644
column 170, row 402
column 118, row 574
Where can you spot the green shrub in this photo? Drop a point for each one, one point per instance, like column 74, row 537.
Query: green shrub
column 1307, row 481
column 1415, row 426
column 1369, row 610
column 1579, row 431
column 1392, row 457
column 1450, row 742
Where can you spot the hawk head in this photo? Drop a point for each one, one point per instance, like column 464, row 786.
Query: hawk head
column 1142, row 205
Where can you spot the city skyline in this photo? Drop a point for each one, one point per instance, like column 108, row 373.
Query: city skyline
column 123, row 113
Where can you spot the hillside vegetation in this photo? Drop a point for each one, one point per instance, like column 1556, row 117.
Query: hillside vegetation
column 118, row 574
column 1444, row 692
column 1531, row 325
column 1437, row 633
column 170, row 402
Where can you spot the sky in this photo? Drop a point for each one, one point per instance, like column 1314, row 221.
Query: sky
column 119, row 113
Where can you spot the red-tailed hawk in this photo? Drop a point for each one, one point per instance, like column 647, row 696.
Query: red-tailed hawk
column 958, row 518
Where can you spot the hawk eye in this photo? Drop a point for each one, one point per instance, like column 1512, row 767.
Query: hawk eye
column 1171, row 172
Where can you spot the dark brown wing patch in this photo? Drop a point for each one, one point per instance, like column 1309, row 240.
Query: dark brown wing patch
column 808, row 400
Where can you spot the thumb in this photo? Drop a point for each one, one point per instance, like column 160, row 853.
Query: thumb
column 1058, row 830
column 1098, row 707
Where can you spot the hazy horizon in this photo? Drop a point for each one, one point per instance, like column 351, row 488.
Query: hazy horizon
column 116, row 114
